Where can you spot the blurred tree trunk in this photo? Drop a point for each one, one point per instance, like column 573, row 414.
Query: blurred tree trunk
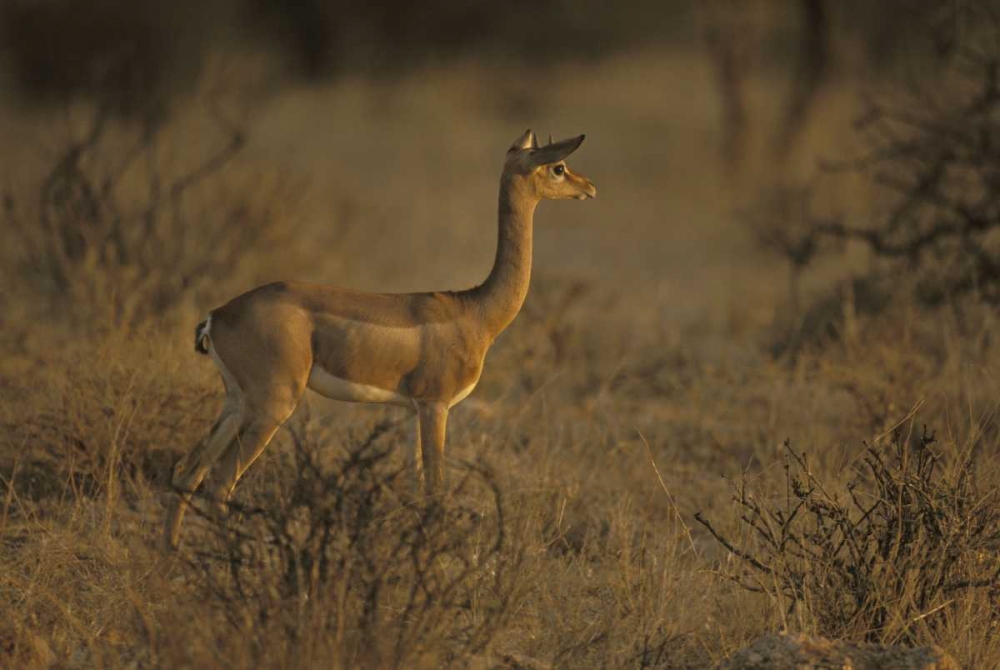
column 811, row 68
column 737, row 34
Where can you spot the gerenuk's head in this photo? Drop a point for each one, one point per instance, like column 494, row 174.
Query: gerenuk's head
column 541, row 171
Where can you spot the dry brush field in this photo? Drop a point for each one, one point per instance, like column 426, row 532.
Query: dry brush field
column 644, row 411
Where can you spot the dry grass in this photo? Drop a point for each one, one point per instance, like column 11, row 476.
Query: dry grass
column 648, row 335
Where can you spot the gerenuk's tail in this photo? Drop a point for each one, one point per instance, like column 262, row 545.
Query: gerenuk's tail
column 201, row 340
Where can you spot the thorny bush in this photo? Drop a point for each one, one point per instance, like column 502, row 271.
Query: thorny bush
column 336, row 563
column 933, row 149
column 879, row 560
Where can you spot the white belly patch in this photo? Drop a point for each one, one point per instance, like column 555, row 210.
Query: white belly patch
column 337, row 388
column 463, row 394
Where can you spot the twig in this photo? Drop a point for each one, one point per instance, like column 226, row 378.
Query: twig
column 670, row 498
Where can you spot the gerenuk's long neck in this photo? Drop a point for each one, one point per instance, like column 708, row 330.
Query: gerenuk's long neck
column 500, row 297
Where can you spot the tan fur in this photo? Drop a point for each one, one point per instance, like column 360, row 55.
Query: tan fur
column 422, row 349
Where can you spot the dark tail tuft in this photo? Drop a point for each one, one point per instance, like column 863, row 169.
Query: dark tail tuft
column 201, row 337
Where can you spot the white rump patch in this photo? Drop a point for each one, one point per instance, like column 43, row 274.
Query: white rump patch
column 336, row 388
column 205, row 332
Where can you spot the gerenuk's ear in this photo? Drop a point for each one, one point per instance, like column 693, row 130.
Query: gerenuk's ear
column 525, row 141
column 553, row 153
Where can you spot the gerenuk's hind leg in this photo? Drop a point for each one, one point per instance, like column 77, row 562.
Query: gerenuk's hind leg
column 266, row 410
column 266, row 374
column 191, row 469
column 250, row 442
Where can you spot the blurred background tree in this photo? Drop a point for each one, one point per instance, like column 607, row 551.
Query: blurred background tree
column 133, row 50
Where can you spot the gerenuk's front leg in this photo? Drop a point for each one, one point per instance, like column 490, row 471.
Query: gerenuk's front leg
column 433, row 426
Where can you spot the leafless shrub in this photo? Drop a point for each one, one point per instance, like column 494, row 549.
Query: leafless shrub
column 932, row 150
column 335, row 564
column 114, row 231
column 882, row 560
column 939, row 158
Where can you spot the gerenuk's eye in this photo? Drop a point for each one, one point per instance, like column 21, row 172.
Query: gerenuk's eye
column 558, row 170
